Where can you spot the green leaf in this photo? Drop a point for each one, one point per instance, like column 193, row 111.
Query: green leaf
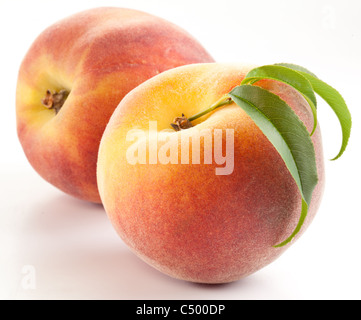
column 289, row 76
column 296, row 68
column 299, row 225
column 286, row 75
column 333, row 99
column 289, row 136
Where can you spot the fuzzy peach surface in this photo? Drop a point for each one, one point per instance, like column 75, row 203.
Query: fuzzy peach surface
column 182, row 218
column 98, row 55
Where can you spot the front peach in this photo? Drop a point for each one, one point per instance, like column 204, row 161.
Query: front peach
column 184, row 218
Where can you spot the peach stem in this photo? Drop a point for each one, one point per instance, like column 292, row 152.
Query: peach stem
column 221, row 102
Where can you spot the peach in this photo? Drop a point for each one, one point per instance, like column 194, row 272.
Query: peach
column 74, row 76
column 185, row 219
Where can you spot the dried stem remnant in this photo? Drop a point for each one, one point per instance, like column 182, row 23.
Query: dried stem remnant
column 55, row 100
column 181, row 123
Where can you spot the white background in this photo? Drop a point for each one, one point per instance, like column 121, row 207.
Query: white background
column 71, row 248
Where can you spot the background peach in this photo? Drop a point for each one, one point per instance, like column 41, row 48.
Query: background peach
column 98, row 56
